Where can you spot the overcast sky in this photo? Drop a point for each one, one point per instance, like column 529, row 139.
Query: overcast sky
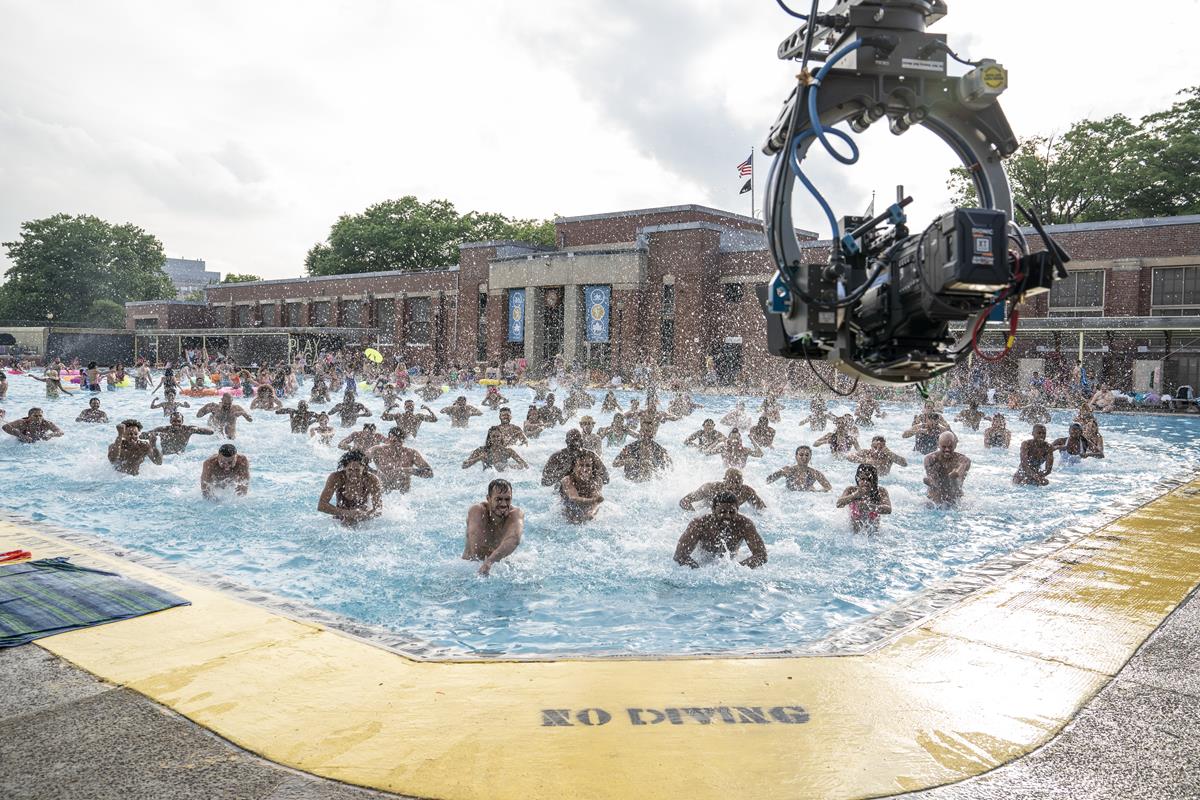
column 237, row 132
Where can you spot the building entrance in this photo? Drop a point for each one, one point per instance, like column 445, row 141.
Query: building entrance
column 727, row 361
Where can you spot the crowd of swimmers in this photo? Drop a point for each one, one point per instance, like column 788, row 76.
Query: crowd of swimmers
column 376, row 462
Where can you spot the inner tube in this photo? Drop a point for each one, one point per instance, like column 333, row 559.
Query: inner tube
column 200, row 392
column 490, row 382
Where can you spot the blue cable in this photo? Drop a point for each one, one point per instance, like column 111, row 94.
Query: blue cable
column 793, row 13
column 812, row 102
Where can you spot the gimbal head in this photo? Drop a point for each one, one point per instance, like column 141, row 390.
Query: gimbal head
column 880, row 63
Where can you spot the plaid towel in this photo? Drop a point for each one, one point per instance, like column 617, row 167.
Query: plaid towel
column 42, row 598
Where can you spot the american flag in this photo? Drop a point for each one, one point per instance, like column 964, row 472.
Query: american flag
column 746, row 167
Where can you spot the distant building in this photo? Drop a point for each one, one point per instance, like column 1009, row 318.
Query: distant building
column 189, row 274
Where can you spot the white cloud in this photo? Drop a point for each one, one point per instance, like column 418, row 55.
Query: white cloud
column 239, row 132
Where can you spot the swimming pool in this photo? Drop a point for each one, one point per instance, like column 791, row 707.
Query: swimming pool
column 607, row 587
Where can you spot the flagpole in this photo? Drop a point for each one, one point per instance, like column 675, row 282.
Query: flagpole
column 752, row 214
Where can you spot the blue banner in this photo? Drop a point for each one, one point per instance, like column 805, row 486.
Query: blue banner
column 596, row 302
column 516, row 315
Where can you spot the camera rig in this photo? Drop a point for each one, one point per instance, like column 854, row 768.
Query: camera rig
column 881, row 305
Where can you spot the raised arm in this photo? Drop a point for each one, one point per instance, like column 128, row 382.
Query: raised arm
column 688, row 500
column 476, row 456
column 420, row 467
column 777, row 474
column 432, row 416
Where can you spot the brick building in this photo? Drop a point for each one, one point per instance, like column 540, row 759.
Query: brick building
column 675, row 286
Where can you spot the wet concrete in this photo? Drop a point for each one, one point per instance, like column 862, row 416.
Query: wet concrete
column 65, row 735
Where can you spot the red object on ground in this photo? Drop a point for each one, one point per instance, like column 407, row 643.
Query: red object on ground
column 15, row 555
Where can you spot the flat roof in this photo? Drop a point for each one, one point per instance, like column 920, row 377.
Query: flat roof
column 347, row 275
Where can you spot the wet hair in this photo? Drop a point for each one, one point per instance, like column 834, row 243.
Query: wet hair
column 132, row 423
column 396, row 432
column 369, row 426
column 724, row 497
column 574, row 435
column 35, row 408
column 1039, row 425
column 227, row 450
column 353, row 455
column 868, row 471
column 498, row 483
column 1076, row 426
column 95, row 400
column 805, row 448
column 878, row 439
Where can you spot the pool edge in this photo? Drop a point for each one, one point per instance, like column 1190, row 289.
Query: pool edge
column 979, row 684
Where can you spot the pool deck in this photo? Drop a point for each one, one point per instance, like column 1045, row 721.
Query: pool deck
column 961, row 696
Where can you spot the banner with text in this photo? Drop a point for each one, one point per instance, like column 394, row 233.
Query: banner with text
column 516, row 315
column 597, row 300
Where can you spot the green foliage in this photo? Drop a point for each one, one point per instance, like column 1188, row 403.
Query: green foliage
column 407, row 234
column 64, row 265
column 105, row 314
column 1107, row 169
column 239, row 277
column 194, row 296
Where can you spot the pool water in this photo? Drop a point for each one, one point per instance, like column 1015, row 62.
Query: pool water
column 610, row 586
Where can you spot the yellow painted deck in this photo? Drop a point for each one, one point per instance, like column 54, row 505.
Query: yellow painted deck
column 977, row 685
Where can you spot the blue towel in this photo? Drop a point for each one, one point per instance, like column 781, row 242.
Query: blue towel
column 42, row 598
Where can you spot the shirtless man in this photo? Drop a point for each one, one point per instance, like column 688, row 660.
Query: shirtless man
column 733, row 453
column 264, row 398
column 224, row 415
column 560, row 464
column 818, row 415
column 429, row 392
column 614, row 435
column 927, row 426
column 682, row 405
column 610, row 404
column 410, row 420
column 362, row 440
column 1104, row 400
column 227, row 468
column 551, row 414
column 762, row 434
column 510, row 434
column 945, row 471
column 460, row 412
column 494, row 527
column 533, row 426
column 349, row 410
column 842, row 440
column 494, row 454
column 591, row 440
column 997, row 435
column 32, row 427
column 801, row 477
column 866, row 411
column 300, row 416
column 738, row 418
column 721, row 533
column 320, row 390
column 732, row 483
column 1037, row 459
column 970, row 416
column 169, row 405
column 352, row 493
column 643, row 459
column 1074, row 446
column 173, row 438
column 128, row 452
column 771, row 406
column 322, row 430
column 708, row 436
column 397, row 464
column 878, row 456
column 580, row 492
column 92, row 413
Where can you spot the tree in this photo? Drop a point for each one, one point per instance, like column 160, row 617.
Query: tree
column 106, row 314
column 407, row 234
column 239, row 277
column 1106, row 169
column 64, row 265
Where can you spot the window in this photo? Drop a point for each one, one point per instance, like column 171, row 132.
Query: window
column 1182, row 371
column 385, row 316
column 268, row 315
column 667, row 337
column 598, row 355
column 294, row 314
column 733, row 292
column 420, row 328
column 145, row 322
column 321, row 313
column 243, row 317
column 481, row 329
column 351, row 314
column 1175, row 292
column 668, row 300
column 1080, row 294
